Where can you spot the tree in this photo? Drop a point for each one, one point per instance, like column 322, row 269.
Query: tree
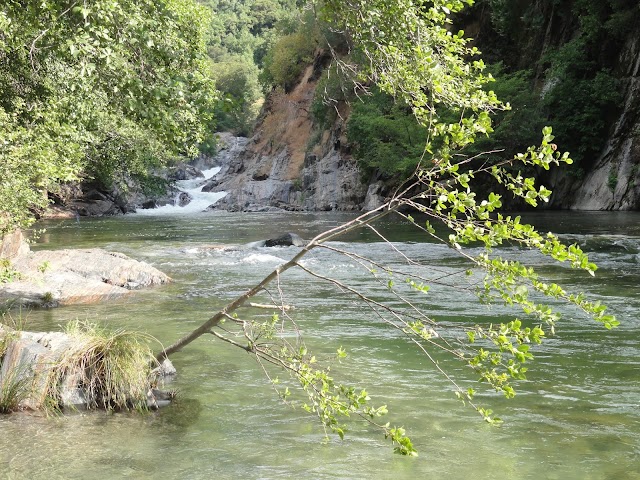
column 241, row 33
column 408, row 51
column 103, row 89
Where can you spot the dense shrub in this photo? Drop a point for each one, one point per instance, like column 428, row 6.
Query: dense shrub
column 288, row 58
column 385, row 136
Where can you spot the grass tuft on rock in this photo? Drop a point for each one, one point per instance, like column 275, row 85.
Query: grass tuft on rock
column 14, row 388
column 111, row 368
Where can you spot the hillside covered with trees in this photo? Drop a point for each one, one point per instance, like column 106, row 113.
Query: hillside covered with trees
column 115, row 90
column 103, row 90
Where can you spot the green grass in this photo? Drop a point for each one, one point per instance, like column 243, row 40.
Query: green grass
column 15, row 387
column 114, row 367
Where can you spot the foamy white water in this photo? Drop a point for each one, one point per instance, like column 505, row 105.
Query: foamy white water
column 199, row 200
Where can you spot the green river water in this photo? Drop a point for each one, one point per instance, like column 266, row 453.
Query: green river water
column 577, row 416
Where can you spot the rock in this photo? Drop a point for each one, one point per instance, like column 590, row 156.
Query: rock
column 286, row 240
column 182, row 199
column 90, row 198
column 165, row 369
column 289, row 163
column 253, row 180
column 13, row 245
column 31, row 356
column 65, row 277
column 97, row 208
column 185, row 172
column 159, row 398
column 210, row 186
column 374, row 198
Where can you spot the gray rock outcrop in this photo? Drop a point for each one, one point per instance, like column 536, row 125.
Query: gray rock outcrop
column 63, row 277
column 288, row 163
column 331, row 182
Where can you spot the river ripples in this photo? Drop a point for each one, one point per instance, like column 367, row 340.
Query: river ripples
column 576, row 417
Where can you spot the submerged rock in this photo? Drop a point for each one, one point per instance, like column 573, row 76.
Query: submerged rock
column 286, row 240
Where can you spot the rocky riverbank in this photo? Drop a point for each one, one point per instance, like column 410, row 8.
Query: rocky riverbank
column 289, row 163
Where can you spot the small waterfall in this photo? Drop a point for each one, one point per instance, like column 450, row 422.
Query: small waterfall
column 199, row 200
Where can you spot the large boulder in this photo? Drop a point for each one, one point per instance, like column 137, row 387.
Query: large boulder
column 64, row 277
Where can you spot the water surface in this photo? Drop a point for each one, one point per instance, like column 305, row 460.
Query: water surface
column 577, row 417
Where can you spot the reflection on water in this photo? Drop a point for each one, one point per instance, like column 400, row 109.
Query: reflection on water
column 577, row 417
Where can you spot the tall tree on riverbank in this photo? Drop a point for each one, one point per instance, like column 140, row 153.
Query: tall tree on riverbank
column 408, row 50
column 104, row 89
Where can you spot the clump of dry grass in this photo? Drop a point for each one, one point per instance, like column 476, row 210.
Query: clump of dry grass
column 112, row 368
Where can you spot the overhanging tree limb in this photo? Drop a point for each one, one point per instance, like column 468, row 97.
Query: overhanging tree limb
column 362, row 220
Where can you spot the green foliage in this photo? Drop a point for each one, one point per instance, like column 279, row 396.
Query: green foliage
column 153, row 185
column 385, row 136
column 44, row 266
column 47, row 298
column 104, row 89
column 580, row 96
column 580, row 106
column 583, row 93
column 410, row 54
column 288, row 58
column 7, row 272
column 238, row 107
column 240, row 35
column 34, row 159
column 246, row 28
column 334, row 86
column 124, row 151
column 519, row 126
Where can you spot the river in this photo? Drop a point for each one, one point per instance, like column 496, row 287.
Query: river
column 576, row 417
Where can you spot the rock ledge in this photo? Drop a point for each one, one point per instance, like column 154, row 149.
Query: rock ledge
column 65, row 277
